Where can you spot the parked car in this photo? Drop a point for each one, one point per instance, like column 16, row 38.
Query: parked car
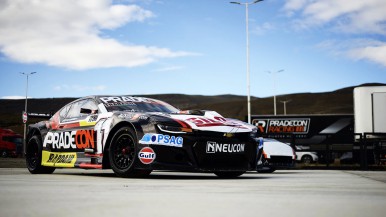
column 10, row 143
column 135, row 135
column 276, row 155
column 304, row 156
column 346, row 158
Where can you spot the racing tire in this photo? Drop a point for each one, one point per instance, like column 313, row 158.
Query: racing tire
column 33, row 157
column 306, row 159
column 4, row 153
column 229, row 175
column 123, row 154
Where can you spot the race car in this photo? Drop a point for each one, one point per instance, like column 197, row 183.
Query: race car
column 135, row 135
column 276, row 155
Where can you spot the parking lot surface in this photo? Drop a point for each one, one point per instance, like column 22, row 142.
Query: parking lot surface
column 73, row 192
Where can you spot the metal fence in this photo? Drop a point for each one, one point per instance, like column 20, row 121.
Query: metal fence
column 367, row 151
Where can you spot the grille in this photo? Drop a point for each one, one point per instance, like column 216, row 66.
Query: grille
column 224, row 161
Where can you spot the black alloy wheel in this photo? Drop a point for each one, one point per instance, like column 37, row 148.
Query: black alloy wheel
column 4, row 153
column 122, row 154
column 33, row 157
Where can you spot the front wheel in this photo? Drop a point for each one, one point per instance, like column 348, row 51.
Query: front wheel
column 122, row 154
column 33, row 157
column 229, row 175
column 4, row 153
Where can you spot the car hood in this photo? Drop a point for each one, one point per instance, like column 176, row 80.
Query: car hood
column 212, row 121
column 195, row 119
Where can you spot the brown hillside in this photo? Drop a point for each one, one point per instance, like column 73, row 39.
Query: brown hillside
column 335, row 102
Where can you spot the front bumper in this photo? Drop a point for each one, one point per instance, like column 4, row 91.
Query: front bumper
column 206, row 152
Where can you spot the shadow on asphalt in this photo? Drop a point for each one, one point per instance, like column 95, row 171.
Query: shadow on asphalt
column 169, row 176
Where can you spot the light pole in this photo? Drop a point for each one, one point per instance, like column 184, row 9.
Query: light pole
column 285, row 103
column 247, row 30
column 274, row 88
column 25, row 110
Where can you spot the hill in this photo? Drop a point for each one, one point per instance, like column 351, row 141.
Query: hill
column 335, row 102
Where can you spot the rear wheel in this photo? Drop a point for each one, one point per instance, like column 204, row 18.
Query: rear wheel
column 33, row 157
column 307, row 159
column 122, row 154
column 229, row 175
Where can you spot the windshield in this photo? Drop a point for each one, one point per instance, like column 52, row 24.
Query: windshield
column 136, row 104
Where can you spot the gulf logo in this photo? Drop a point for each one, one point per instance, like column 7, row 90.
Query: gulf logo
column 146, row 155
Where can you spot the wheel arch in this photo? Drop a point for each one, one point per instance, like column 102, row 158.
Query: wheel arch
column 136, row 128
column 33, row 131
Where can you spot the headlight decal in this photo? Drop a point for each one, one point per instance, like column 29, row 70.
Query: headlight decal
column 174, row 129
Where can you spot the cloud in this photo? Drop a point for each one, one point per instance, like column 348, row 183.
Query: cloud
column 372, row 52
column 357, row 49
column 292, row 5
column 79, row 88
column 68, row 34
column 359, row 18
column 353, row 17
column 14, row 97
column 262, row 29
column 168, row 69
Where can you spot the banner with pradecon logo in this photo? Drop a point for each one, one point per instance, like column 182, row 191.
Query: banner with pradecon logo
column 283, row 125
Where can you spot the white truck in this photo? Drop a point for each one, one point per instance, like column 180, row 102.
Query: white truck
column 370, row 123
column 370, row 109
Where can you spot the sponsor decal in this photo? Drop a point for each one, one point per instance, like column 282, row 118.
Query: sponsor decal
column 92, row 118
column 90, row 121
column 298, row 125
column 58, row 159
column 214, row 147
column 160, row 139
column 133, row 116
column 123, row 100
column 207, row 122
column 126, row 116
column 79, row 139
column 146, row 155
column 214, row 122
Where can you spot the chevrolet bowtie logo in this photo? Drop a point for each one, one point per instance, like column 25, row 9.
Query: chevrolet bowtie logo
column 229, row 135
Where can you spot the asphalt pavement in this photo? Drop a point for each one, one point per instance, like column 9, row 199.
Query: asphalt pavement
column 77, row 192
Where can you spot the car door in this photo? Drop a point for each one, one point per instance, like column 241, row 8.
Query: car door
column 73, row 129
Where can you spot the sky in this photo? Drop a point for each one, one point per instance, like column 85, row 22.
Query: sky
column 133, row 47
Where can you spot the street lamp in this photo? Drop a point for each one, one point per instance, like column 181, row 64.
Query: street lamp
column 25, row 110
column 274, row 88
column 285, row 103
column 247, row 29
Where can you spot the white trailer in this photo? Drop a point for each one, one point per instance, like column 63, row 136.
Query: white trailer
column 370, row 109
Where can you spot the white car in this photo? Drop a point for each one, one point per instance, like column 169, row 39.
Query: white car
column 276, row 155
column 306, row 157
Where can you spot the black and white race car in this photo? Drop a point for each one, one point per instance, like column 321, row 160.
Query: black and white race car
column 135, row 135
